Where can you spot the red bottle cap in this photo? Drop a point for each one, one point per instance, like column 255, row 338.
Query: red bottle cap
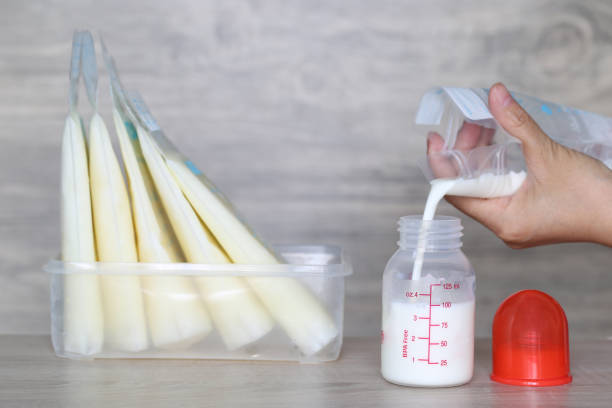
column 530, row 341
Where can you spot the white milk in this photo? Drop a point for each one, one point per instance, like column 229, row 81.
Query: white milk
column 429, row 342
column 485, row 186
column 414, row 354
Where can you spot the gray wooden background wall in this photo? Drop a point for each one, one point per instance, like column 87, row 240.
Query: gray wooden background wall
column 302, row 112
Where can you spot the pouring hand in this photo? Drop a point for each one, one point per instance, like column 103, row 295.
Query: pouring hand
column 565, row 197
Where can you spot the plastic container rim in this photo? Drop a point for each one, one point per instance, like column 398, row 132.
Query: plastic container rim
column 289, row 270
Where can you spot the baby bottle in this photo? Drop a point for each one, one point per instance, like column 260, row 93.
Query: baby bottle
column 428, row 306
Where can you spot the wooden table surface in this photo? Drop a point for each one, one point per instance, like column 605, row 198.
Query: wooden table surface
column 31, row 375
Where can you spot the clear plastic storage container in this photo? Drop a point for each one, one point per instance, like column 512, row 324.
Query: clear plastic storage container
column 321, row 269
column 428, row 323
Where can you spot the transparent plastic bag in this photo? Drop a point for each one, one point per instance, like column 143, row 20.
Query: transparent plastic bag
column 238, row 315
column 83, row 316
column 446, row 110
column 125, row 325
column 175, row 313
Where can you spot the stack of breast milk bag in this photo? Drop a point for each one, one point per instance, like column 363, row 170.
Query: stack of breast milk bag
column 162, row 266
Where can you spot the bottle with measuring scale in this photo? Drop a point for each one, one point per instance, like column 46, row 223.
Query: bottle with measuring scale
column 427, row 337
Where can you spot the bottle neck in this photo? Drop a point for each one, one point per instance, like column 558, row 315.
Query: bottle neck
column 443, row 233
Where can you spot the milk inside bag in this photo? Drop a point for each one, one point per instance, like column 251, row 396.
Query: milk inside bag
column 293, row 306
column 175, row 312
column 83, row 317
column 124, row 315
column 303, row 318
column 236, row 312
column 238, row 315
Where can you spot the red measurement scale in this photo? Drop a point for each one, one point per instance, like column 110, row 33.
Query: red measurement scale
column 432, row 323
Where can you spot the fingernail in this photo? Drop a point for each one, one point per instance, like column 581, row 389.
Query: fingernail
column 501, row 95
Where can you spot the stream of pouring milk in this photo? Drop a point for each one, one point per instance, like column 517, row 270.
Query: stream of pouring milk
column 485, row 186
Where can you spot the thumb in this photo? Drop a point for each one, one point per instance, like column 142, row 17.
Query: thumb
column 513, row 118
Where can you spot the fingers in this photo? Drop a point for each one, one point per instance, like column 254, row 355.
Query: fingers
column 486, row 137
column 513, row 118
column 439, row 163
column 473, row 135
column 442, row 166
column 435, row 143
column 468, row 136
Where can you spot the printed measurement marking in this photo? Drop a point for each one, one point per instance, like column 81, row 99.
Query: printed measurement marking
column 431, row 323
column 429, row 333
column 446, row 305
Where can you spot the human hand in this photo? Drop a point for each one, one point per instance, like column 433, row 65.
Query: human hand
column 566, row 195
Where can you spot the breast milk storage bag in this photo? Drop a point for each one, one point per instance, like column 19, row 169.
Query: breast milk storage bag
column 497, row 167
